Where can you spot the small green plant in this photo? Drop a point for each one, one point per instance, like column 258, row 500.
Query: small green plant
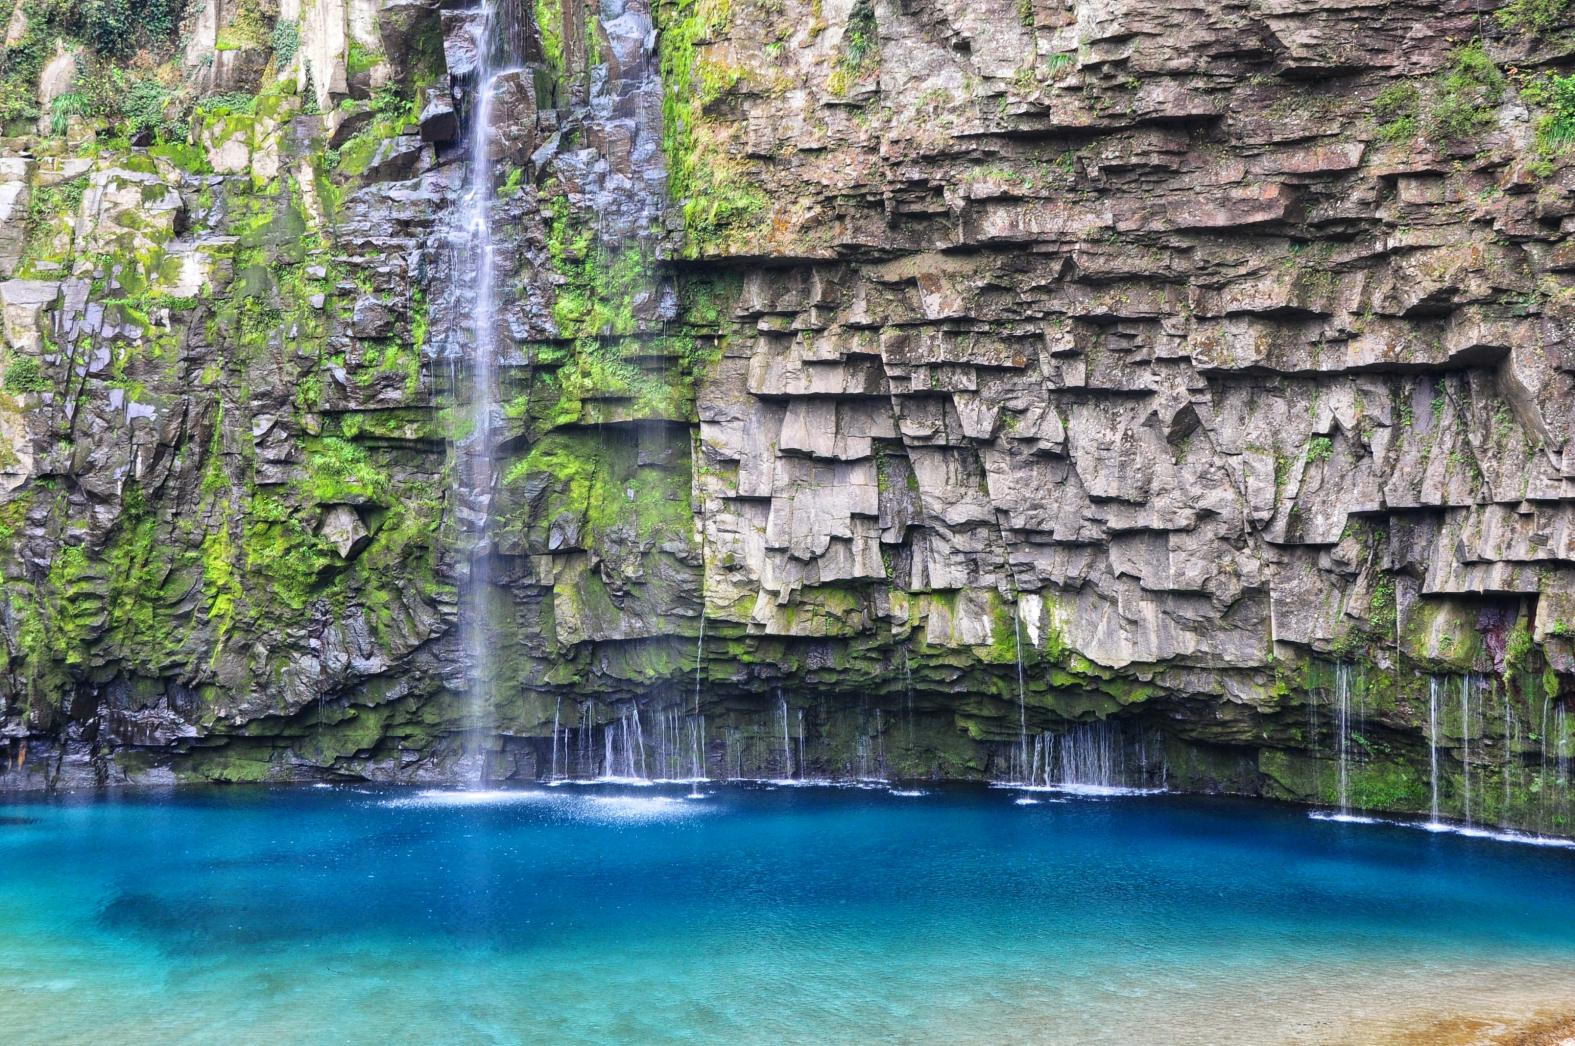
column 1556, row 126
column 1467, row 95
column 861, row 41
column 1533, row 16
column 144, row 108
column 286, row 40
column 1396, row 109
column 1517, row 648
column 1319, row 448
column 233, row 102
column 65, row 106
column 361, row 58
column 1381, row 608
column 26, row 374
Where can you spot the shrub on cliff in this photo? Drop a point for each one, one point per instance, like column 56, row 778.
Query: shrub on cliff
column 26, row 374
column 1468, row 94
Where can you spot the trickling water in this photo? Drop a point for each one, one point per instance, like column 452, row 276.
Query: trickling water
column 787, row 744
column 557, row 711
column 697, row 747
column 907, row 694
column 1511, row 750
column 699, row 657
column 1022, row 698
column 1432, row 741
column 1342, row 718
column 1088, row 756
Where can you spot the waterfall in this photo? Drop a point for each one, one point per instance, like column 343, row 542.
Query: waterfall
column 1432, row 741
column 476, row 255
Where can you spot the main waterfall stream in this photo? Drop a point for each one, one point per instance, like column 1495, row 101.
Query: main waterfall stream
column 595, row 913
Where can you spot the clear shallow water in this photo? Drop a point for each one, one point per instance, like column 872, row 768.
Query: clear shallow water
column 753, row 915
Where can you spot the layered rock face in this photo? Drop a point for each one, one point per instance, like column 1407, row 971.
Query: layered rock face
column 906, row 389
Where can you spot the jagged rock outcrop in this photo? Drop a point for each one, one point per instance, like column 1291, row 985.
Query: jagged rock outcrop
column 945, row 373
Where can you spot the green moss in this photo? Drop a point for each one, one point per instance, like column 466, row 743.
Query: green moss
column 1386, row 783
column 221, row 586
column 1517, row 648
column 1533, row 16
column 600, row 484
column 283, row 553
column 74, row 605
column 360, row 58
column 720, row 207
column 338, row 472
column 1381, row 609
column 394, row 108
column 549, row 28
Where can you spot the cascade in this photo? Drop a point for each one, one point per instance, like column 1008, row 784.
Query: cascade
column 494, row 37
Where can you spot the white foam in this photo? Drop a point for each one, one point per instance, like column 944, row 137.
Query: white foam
column 1497, row 835
column 1084, row 790
column 908, row 793
column 1329, row 815
column 440, row 797
column 628, row 782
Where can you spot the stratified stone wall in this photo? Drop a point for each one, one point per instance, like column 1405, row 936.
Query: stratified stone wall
column 943, row 373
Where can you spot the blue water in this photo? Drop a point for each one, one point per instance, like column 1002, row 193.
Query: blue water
column 594, row 914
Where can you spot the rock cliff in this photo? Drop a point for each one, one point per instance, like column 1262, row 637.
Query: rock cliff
column 908, row 388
